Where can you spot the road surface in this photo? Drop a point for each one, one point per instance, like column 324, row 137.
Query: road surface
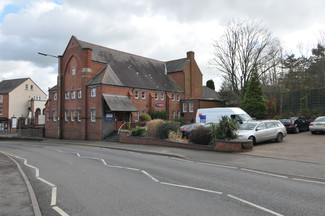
column 76, row 180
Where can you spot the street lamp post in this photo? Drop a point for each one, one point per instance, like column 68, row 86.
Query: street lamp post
column 59, row 90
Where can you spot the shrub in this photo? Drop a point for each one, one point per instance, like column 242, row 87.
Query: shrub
column 175, row 136
column 201, row 135
column 145, row 117
column 152, row 127
column 164, row 129
column 138, row 131
column 180, row 120
column 225, row 130
column 277, row 117
column 159, row 115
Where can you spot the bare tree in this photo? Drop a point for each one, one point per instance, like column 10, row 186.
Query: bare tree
column 243, row 46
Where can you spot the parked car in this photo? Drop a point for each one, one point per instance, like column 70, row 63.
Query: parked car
column 260, row 131
column 295, row 124
column 318, row 125
column 186, row 129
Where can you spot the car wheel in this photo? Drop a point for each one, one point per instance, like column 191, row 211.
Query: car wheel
column 296, row 130
column 313, row 132
column 253, row 139
column 279, row 137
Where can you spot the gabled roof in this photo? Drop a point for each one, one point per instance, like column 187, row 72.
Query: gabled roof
column 54, row 88
column 208, row 93
column 177, row 65
column 7, row 86
column 125, row 69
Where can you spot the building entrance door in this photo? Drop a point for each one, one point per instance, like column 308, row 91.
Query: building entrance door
column 120, row 119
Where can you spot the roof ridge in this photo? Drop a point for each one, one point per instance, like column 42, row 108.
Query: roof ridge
column 119, row 51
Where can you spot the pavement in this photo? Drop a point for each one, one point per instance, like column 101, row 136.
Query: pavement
column 17, row 199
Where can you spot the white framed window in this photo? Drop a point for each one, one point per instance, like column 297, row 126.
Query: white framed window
column 31, row 87
column 54, row 115
column 178, row 97
column 174, row 114
column 1, row 110
column 79, row 93
column 72, row 115
column 55, row 96
column 67, row 95
column 162, row 96
column 184, row 107
column 144, row 111
column 143, row 95
column 79, row 115
column 178, row 114
column 191, row 107
column 93, row 115
column 73, row 94
column 26, row 87
column 156, row 95
column 93, row 92
column 173, row 97
column 1, row 98
column 66, row 115
column 136, row 94
column 47, row 115
column 73, row 71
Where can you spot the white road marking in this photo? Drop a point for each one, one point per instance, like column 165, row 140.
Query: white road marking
column 53, row 198
column 60, row 211
column 150, row 176
column 54, row 188
column 192, row 188
column 311, row 181
column 46, row 182
column 254, row 205
column 219, row 165
column 264, row 173
column 104, row 162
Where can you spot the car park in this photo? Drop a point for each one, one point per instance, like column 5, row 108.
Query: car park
column 186, row 129
column 295, row 124
column 260, row 131
column 318, row 125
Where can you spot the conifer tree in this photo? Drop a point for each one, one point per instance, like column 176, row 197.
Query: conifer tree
column 253, row 102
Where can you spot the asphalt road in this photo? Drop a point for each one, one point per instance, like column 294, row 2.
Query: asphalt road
column 72, row 180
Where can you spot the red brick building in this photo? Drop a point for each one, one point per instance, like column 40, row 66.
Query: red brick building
column 100, row 88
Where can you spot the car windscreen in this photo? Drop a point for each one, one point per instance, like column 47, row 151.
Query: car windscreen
column 245, row 117
column 248, row 126
column 288, row 120
column 320, row 119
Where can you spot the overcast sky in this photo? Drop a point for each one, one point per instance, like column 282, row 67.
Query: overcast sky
column 159, row 29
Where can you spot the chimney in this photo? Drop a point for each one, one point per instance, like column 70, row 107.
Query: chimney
column 190, row 55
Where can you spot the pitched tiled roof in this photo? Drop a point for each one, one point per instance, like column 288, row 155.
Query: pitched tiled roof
column 208, row 93
column 124, row 69
column 177, row 65
column 7, row 86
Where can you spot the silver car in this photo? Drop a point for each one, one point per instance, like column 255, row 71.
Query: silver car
column 260, row 131
column 318, row 125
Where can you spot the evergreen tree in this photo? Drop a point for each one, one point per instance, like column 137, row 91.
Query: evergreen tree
column 254, row 103
column 210, row 84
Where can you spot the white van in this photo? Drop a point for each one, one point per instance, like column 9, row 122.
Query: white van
column 214, row 115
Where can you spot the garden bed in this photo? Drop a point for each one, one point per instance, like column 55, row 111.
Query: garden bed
column 220, row 146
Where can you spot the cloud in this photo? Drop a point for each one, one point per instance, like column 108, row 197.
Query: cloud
column 162, row 30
